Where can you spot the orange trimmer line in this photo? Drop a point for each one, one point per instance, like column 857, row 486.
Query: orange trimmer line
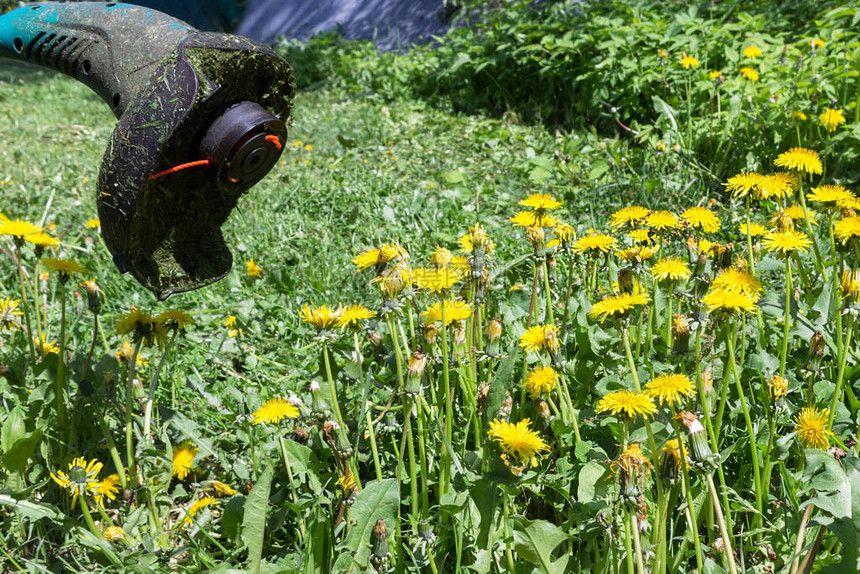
column 275, row 140
column 180, row 167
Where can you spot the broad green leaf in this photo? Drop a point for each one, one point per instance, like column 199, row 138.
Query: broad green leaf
column 254, row 521
column 535, row 541
column 31, row 510
column 486, row 497
column 588, row 477
column 825, row 476
column 662, row 108
column 300, row 456
column 499, row 385
column 14, row 429
column 378, row 500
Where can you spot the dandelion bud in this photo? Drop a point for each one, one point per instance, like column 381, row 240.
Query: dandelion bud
column 778, row 387
column 542, row 409
column 337, row 438
column 625, row 281
column 380, row 558
column 700, row 452
column 483, row 391
column 441, row 258
column 757, row 250
column 707, row 381
column 551, row 263
column 415, row 372
column 680, row 334
column 816, row 351
column 723, row 255
column 430, row 332
column 537, row 237
column 701, row 261
column 458, row 332
column 837, row 452
column 670, row 460
column 494, row 336
column 691, row 243
column 629, row 466
column 505, row 409
column 94, row 302
column 319, row 406
column 374, row 338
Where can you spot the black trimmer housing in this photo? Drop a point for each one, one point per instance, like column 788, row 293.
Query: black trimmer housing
column 201, row 119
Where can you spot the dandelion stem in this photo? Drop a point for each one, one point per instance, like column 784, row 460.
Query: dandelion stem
column 446, row 407
column 549, row 318
column 509, row 554
column 114, row 453
column 129, row 404
column 685, row 485
column 818, row 263
column 59, row 382
column 651, row 443
column 147, row 410
column 628, row 548
column 24, row 302
column 568, row 291
column 724, row 532
column 565, row 392
column 787, row 318
column 413, row 475
column 372, row 434
column 422, row 456
column 293, row 492
column 637, row 543
column 88, row 518
column 837, row 393
column 331, row 388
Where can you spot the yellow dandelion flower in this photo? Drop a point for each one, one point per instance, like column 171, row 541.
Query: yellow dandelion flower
column 541, row 201
column 9, row 313
column 743, row 183
column 230, row 324
column 81, row 478
column 108, row 487
column 832, row 119
column 849, row 286
column 799, row 116
column 846, row 228
column 787, row 241
column 777, row 185
column 638, row 254
column 221, row 489
column 540, row 337
column 533, row 219
column 811, row 428
column 93, row 223
column 595, row 243
column 702, row 218
column 477, row 236
column 620, row 305
column 113, row 534
column 347, row 483
column 42, row 240
column 253, row 269
column 183, row 460
column 740, row 280
column 829, row 194
column 455, row 310
column 662, row 220
column 630, row 462
column 143, row 325
column 353, row 315
column 540, row 380
column 273, row 411
column 199, row 504
column 174, row 319
column 436, row 280
column 564, row 232
column 394, row 280
column 729, row 301
column 441, row 257
column 629, row 217
column 65, row 267
column 752, row 52
column 755, row 229
column 380, row 256
column 321, row 317
column 670, row 388
column 817, row 43
column 749, row 73
column 640, row 236
column 628, row 403
column 801, row 160
column 518, row 440
column 688, row 62
column 715, row 74
column 778, row 387
column 19, row 229
column 670, row 268
column 46, row 347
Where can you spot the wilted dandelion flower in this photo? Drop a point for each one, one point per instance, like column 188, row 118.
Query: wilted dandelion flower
column 540, row 380
column 273, row 411
column 811, row 428
column 628, row 403
column 595, row 243
column 538, row 201
column 755, row 229
column 353, row 315
column 801, row 160
column 533, row 219
column 670, row 457
column 518, row 440
column 702, row 218
column 749, row 73
column 9, row 313
column 723, row 300
column 198, row 505
column 670, row 268
column 752, row 52
column 477, row 236
column 778, row 387
column 394, row 280
column 629, row 217
column 113, row 534
column 662, row 220
column 455, row 310
column 347, row 483
column 743, row 183
column 540, row 337
column 254, row 270
column 183, row 460
column 847, row 228
column 829, row 194
column 786, row 242
column 81, row 478
column 832, row 119
column 619, row 305
column 670, row 388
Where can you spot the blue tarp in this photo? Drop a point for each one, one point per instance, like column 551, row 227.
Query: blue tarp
column 391, row 23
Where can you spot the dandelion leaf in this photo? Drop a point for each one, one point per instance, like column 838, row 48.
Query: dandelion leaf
column 254, row 520
column 535, row 541
column 377, row 500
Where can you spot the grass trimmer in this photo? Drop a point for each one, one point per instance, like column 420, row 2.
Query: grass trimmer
column 200, row 121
